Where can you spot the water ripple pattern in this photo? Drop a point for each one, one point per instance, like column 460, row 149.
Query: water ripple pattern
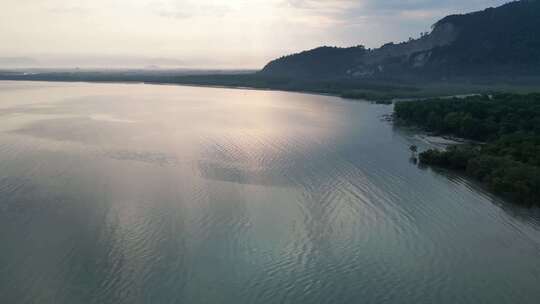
column 114, row 193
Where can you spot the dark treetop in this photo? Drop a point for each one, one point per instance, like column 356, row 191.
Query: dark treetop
column 509, row 161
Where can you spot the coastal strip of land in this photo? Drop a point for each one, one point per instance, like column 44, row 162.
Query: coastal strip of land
column 377, row 90
column 505, row 133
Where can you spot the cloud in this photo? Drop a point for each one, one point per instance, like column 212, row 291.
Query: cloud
column 187, row 9
column 349, row 10
column 71, row 9
column 321, row 4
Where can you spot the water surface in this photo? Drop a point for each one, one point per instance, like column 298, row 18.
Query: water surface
column 114, row 193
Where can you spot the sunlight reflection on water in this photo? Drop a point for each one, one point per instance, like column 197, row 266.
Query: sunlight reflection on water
column 113, row 193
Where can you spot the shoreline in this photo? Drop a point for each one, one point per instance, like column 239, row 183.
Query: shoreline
column 267, row 89
column 263, row 89
column 377, row 92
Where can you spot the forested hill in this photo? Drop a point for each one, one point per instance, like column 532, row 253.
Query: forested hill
column 496, row 41
column 320, row 62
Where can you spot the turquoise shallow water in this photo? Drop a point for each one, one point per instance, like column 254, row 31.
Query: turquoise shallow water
column 115, row 193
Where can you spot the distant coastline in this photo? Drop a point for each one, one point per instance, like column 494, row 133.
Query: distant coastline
column 373, row 90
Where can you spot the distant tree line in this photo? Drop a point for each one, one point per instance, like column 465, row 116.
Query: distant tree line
column 509, row 125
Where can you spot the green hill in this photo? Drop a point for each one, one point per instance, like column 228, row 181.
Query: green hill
column 502, row 41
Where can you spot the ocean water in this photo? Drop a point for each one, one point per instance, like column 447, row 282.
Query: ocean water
column 128, row 193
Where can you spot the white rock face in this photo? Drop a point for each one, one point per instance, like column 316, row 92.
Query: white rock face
column 415, row 51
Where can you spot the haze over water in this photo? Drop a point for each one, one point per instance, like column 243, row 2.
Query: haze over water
column 113, row 193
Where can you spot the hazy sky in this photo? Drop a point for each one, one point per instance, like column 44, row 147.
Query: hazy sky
column 205, row 33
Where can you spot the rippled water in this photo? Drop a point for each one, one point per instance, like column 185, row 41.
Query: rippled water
column 163, row 194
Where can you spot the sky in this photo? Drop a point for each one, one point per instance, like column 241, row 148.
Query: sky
column 230, row 34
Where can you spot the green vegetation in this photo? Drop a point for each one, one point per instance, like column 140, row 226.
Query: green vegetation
column 493, row 43
column 321, row 63
column 508, row 162
column 497, row 49
column 347, row 88
column 375, row 90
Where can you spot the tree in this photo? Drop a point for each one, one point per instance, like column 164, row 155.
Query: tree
column 508, row 162
column 414, row 150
